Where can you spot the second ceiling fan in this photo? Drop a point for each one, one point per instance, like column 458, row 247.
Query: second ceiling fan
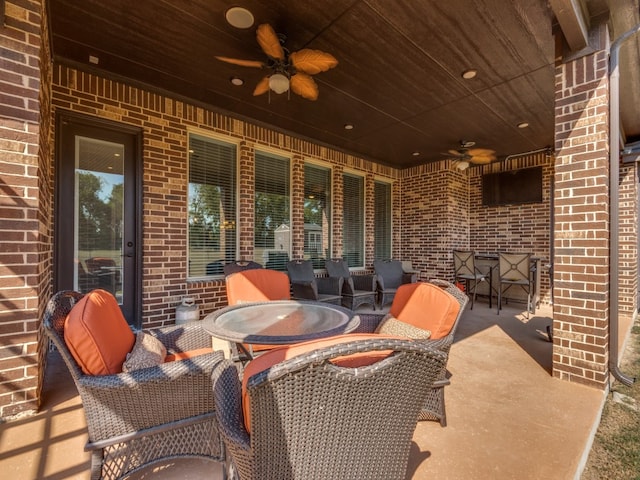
column 476, row 156
column 288, row 70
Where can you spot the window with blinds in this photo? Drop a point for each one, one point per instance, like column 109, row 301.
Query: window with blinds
column 212, row 205
column 382, row 221
column 317, row 214
column 353, row 219
column 272, row 229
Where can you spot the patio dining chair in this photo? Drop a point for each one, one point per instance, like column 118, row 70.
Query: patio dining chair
column 515, row 271
column 134, row 418
column 465, row 270
column 389, row 276
column 306, row 286
column 434, row 307
column 356, row 289
column 338, row 408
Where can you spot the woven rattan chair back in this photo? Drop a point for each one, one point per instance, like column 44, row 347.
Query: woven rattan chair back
column 311, row 419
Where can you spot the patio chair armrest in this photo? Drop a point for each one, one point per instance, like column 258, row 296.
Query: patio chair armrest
column 182, row 338
column 380, row 282
column 409, row 277
column 227, row 397
column 305, row 290
column 364, row 282
column 330, row 285
column 127, row 402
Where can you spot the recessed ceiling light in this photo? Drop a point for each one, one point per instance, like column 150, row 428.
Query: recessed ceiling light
column 469, row 74
column 237, row 81
column 415, row 154
column 239, row 17
column 348, row 126
column 523, row 125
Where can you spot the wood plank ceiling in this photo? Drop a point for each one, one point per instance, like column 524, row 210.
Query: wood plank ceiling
column 398, row 82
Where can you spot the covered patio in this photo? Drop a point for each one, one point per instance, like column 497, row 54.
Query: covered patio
column 380, row 165
column 508, row 417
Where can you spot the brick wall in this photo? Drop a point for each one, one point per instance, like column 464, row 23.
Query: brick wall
column 164, row 122
column 581, row 242
column 24, row 228
column 628, row 253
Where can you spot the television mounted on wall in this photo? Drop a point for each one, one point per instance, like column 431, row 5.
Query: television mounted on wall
column 512, row 187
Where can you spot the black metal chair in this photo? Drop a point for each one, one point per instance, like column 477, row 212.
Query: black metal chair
column 515, row 270
column 356, row 289
column 306, row 286
column 315, row 417
column 465, row 269
column 389, row 276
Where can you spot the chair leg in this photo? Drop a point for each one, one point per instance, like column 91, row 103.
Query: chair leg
column 468, row 288
column 475, row 289
column 499, row 298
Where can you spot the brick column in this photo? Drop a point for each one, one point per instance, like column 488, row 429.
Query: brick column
column 581, row 220
column 24, row 199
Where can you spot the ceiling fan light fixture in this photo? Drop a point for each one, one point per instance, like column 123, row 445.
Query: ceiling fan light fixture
column 279, row 83
column 462, row 165
column 239, row 17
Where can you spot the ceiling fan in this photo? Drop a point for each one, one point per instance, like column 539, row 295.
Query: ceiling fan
column 288, row 70
column 465, row 155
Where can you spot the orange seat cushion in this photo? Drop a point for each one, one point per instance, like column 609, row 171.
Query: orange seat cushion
column 257, row 285
column 280, row 354
column 426, row 306
column 172, row 357
column 97, row 334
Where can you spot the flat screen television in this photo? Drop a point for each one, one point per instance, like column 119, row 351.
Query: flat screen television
column 512, row 187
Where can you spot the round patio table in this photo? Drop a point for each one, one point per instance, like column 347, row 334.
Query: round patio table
column 279, row 322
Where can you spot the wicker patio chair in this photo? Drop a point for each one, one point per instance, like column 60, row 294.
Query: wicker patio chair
column 306, row 286
column 240, row 266
column 389, row 276
column 415, row 304
column 356, row 289
column 313, row 420
column 156, row 413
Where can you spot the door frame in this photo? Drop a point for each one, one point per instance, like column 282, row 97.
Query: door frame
column 69, row 117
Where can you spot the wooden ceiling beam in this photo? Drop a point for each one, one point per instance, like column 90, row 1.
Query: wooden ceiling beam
column 572, row 21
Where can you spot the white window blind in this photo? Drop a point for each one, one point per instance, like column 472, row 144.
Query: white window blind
column 317, row 214
column 272, row 230
column 382, row 220
column 353, row 219
column 212, row 205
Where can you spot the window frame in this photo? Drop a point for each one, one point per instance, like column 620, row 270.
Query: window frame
column 220, row 139
column 282, row 155
column 363, row 204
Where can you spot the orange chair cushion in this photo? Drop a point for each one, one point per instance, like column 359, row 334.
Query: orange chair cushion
column 280, row 354
column 426, row 306
column 172, row 357
column 97, row 334
column 257, row 285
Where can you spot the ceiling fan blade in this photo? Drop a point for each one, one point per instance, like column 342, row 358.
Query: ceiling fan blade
column 262, row 87
column 481, row 151
column 305, row 86
column 482, row 159
column 242, row 63
column 312, row 61
column 455, row 153
column 269, row 42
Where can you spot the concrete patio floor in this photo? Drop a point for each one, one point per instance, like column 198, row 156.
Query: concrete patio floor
column 508, row 418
